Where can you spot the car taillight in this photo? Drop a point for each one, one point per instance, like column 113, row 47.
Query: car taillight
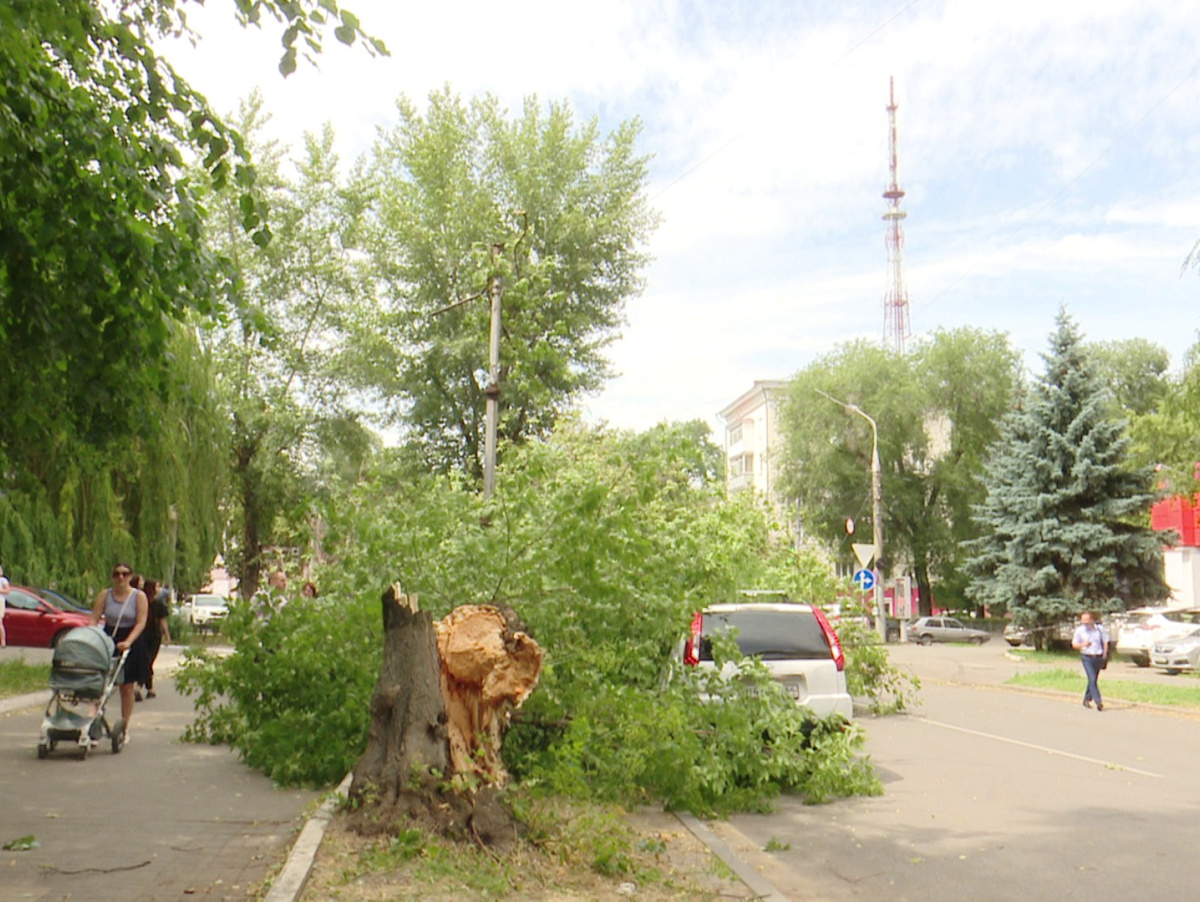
column 691, row 648
column 835, row 644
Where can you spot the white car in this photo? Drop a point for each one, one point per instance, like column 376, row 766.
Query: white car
column 795, row 642
column 1143, row 627
column 203, row 610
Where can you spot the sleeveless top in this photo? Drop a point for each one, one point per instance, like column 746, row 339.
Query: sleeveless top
column 112, row 610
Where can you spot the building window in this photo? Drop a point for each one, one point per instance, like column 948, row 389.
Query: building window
column 735, row 434
column 741, row 465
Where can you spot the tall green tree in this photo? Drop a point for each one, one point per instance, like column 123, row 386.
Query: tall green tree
column 101, row 240
column 1167, row 437
column 936, row 410
column 461, row 194
column 281, row 386
column 1135, row 372
column 1065, row 518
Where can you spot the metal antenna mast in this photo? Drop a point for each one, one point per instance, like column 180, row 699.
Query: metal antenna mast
column 895, row 301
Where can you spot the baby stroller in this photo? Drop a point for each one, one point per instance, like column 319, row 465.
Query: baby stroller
column 83, row 674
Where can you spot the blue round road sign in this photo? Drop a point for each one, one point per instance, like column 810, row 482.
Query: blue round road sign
column 865, row 580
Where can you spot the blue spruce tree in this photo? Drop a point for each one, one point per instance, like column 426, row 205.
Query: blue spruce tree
column 1066, row 518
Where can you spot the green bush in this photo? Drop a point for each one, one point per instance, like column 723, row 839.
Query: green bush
column 293, row 696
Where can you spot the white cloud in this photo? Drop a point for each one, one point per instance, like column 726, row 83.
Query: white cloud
column 1048, row 150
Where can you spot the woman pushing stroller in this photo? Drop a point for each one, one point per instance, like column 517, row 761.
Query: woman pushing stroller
column 124, row 609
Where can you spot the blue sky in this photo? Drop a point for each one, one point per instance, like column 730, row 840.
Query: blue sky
column 1049, row 152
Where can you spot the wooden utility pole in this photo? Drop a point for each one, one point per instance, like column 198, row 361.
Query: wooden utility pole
column 495, row 290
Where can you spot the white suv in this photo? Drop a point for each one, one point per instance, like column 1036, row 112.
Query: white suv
column 795, row 642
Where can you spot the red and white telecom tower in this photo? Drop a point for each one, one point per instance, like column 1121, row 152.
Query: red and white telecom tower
column 895, row 301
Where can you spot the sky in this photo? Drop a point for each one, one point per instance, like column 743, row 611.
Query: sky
column 1048, row 150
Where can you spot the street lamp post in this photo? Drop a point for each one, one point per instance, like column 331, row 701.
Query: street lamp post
column 876, row 511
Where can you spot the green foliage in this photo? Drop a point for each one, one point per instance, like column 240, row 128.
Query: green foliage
column 72, row 509
column 870, row 675
column 292, row 698
column 936, row 410
column 1168, row 436
column 1135, row 373
column 1065, row 514
column 463, row 193
column 605, row 544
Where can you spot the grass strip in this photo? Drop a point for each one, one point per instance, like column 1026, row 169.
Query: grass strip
column 1125, row 690
column 17, row 678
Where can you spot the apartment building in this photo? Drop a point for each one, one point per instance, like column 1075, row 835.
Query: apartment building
column 752, row 438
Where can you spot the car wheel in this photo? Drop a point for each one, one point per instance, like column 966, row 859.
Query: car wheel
column 43, row 751
column 1172, row 671
column 926, row 639
column 1142, row 662
column 977, row 640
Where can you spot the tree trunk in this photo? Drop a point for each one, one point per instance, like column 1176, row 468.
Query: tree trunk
column 924, row 591
column 407, row 734
column 438, row 712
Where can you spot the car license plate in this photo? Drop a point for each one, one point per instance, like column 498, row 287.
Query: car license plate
column 793, row 690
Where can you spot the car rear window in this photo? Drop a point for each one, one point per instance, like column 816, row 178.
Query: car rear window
column 772, row 635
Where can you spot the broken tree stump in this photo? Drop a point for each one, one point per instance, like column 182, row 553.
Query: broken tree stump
column 440, row 707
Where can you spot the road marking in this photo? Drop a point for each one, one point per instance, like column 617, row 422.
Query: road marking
column 1035, row 747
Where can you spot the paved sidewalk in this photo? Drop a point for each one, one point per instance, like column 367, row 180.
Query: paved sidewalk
column 162, row 820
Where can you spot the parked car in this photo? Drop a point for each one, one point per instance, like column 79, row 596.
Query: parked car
column 203, row 610
column 928, row 630
column 1143, row 627
column 795, row 642
column 31, row 620
column 1017, row 635
column 64, row 601
column 1177, row 654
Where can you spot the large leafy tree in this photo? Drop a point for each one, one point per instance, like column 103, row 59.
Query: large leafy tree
column 1065, row 515
column 936, row 410
column 462, row 194
column 105, row 270
column 281, row 384
column 1135, row 372
column 1167, row 437
column 101, row 243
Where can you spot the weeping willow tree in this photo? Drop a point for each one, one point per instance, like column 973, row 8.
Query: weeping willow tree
column 70, row 508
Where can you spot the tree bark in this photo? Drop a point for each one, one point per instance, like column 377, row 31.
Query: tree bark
column 407, row 734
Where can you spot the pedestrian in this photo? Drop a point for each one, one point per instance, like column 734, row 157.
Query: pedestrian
column 3, row 606
column 1091, row 641
column 125, row 610
column 157, row 631
column 309, row 590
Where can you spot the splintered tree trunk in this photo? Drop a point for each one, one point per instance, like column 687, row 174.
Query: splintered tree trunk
column 488, row 667
column 407, row 734
column 439, row 710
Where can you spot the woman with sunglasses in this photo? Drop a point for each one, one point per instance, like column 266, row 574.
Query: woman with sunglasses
column 124, row 610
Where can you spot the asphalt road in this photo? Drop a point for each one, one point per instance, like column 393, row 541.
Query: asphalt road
column 162, row 820
column 992, row 794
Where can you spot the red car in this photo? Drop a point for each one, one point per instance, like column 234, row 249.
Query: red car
column 31, row 620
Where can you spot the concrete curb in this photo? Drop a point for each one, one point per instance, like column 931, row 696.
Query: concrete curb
column 290, row 883
column 759, row 886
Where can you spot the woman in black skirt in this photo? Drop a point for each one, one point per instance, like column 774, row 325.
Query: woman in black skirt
column 124, row 610
column 156, row 633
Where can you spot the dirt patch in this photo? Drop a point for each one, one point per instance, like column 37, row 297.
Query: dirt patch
column 642, row 855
